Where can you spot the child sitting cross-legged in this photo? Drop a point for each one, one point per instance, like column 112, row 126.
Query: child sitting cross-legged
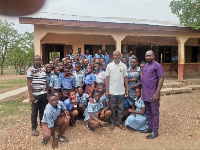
column 55, row 115
column 93, row 112
column 72, row 106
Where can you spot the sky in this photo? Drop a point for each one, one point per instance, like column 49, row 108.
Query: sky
column 140, row 9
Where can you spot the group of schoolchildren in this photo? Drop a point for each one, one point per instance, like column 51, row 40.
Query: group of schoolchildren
column 76, row 87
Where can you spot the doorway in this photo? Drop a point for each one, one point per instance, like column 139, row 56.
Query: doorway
column 93, row 49
column 141, row 51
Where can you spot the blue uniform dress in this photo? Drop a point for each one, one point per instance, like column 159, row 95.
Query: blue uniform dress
column 94, row 108
column 67, row 82
column 140, row 121
column 133, row 75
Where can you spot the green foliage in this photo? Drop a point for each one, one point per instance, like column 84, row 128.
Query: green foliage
column 8, row 37
column 188, row 12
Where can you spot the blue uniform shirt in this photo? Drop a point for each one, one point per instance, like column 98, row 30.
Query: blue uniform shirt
column 69, row 106
column 82, row 99
column 79, row 78
column 68, row 82
column 89, row 79
column 55, row 82
column 88, row 57
column 51, row 113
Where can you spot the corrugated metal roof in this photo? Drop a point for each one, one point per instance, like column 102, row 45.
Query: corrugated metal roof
column 121, row 20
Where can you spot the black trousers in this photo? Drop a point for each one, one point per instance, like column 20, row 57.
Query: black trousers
column 38, row 105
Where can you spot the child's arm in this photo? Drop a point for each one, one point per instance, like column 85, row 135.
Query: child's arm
column 132, row 80
column 102, row 123
column 55, row 141
column 93, row 85
column 62, row 90
column 104, row 110
column 140, row 112
column 52, row 90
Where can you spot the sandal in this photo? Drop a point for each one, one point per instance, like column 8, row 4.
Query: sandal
column 35, row 133
column 62, row 139
column 43, row 142
column 111, row 127
column 122, row 127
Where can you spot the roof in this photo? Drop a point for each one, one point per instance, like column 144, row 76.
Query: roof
column 115, row 20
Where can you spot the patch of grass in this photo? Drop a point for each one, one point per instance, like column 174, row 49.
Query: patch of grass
column 4, row 87
column 13, row 83
column 19, row 81
column 12, row 111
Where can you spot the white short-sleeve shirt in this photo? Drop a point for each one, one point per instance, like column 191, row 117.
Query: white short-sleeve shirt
column 116, row 73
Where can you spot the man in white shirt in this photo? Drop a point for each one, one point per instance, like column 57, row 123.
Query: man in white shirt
column 116, row 78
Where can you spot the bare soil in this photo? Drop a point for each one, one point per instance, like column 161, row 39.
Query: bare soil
column 179, row 129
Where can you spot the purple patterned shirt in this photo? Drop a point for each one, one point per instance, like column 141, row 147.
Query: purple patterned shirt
column 150, row 77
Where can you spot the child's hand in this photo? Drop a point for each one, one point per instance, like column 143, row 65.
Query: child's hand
column 134, row 114
column 80, row 105
column 130, row 110
column 102, row 123
column 55, row 144
column 102, row 115
column 66, row 113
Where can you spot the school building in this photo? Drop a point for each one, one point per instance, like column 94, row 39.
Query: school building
column 59, row 32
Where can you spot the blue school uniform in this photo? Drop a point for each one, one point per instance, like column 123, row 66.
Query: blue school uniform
column 79, row 78
column 104, row 101
column 89, row 79
column 140, row 121
column 82, row 99
column 55, row 82
column 107, row 59
column 133, row 75
column 68, row 82
column 88, row 57
column 129, row 59
column 92, row 107
column 99, row 56
column 51, row 113
column 69, row 106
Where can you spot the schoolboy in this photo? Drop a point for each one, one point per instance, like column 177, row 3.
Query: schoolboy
column 55, row 81
column 55, row 115
column 67, row 83
column 48, row 75
column 79, row 75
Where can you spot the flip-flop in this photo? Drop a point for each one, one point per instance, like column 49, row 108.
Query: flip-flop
column 111, row 127
column 122, row 127
column 35, row 133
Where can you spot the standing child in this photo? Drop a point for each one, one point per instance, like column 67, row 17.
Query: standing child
column 137, row 119
column 67, row 83
column 82, row 100
column 100, row 76
column 61, row 68
column 72, row 106
column 55, row 115
column 55, row 81
column 79, row 75
column 93, row 111
column 89, row 81
column 48, row 75
column 142, row 64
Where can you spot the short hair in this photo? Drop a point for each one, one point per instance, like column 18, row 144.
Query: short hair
column 151, row 52
column 70, row 92
column 97, row 92
column 134, row 58
column 36, row 56
column 51, row 95
column 67, row 67
column 101, row 84
column 143, row 62
column 98, row 63
column 56, row 66
column 78, row 63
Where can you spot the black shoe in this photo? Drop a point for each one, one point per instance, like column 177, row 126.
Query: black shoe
column 146, row 131
column 152, row 135
column 43, row 142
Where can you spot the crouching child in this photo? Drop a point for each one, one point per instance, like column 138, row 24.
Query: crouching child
column 55, row 115
column 93, row 113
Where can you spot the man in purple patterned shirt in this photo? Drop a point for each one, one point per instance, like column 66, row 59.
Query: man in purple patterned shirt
column 152, row 81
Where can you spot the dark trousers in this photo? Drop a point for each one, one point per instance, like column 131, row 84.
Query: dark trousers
column 152, row 112
column 116, row 105
column 38, row 106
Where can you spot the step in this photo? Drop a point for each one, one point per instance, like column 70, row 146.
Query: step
column 173, row 84
column 194, row 87
column 167, row 91
column 192, row 82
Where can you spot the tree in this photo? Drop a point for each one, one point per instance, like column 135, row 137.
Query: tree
column 22, row 54
column 8, row 37
column 188, row 12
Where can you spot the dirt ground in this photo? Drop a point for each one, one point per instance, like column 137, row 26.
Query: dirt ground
column 179, row 129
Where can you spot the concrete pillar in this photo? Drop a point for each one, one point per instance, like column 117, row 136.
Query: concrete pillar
column 118, row 40
column 181, row 55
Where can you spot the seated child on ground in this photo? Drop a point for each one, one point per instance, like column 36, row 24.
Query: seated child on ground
column 72, row 106
column 93, row 111
column 82, row 100
column 128, row 103
column 67, row 83
column 55, row 115
column 137, row 119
